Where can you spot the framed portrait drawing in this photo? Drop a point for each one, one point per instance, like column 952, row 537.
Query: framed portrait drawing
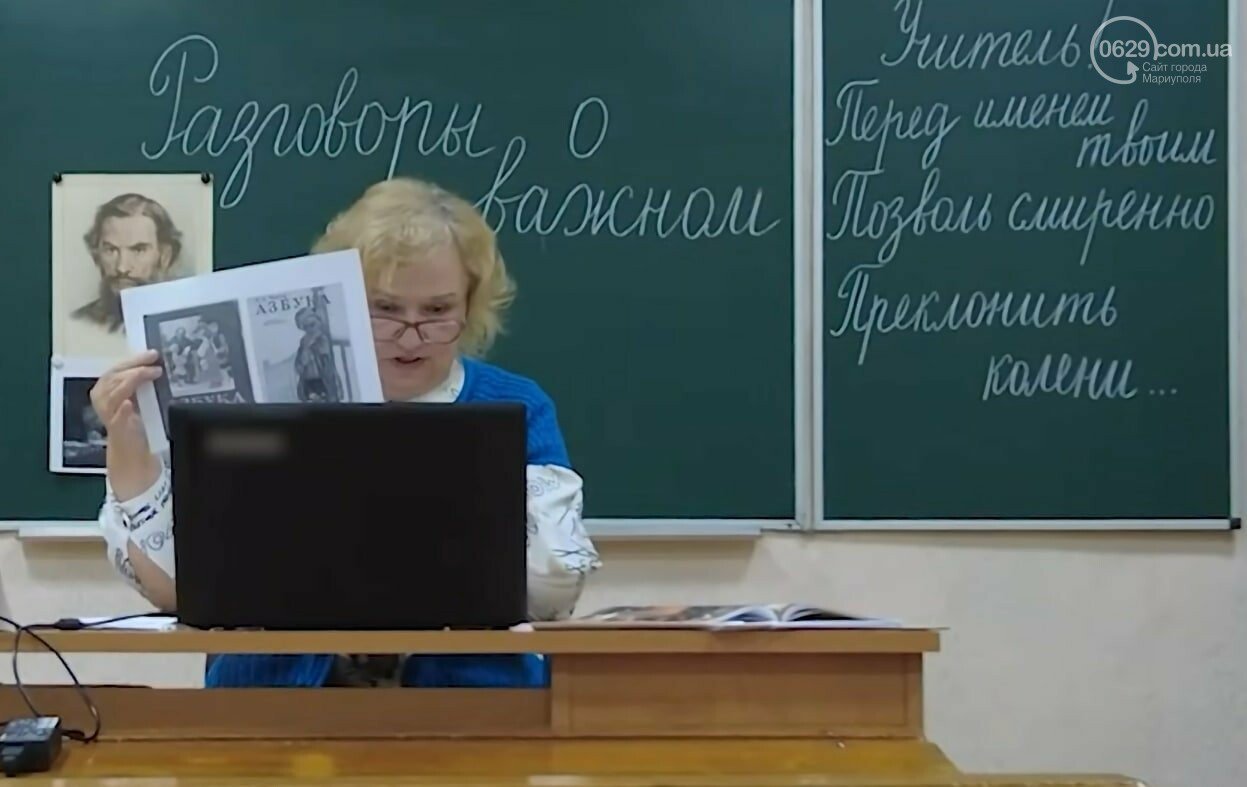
column 113, row 232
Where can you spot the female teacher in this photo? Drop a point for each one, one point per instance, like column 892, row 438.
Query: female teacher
column 437, row 288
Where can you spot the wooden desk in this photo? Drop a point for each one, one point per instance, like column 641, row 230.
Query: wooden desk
column 604, row 684
column 669, row 707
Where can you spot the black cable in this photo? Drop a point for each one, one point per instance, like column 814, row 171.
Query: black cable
column 62, row 625
column 76, row 624
column 72, row 734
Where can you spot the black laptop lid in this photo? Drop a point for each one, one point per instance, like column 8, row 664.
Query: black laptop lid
column 349, row 516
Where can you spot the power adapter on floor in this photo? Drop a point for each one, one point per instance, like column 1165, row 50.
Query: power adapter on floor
column 30, row 745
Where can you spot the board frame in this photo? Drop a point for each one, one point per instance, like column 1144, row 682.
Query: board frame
column 806, row 348
column 808, row 333
column 1237, row 241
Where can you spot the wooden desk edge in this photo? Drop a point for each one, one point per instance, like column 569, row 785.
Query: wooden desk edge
column 563, row 641
column 504, row 763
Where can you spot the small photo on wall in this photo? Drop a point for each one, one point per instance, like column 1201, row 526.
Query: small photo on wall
column 113, row 232
column 77, row 439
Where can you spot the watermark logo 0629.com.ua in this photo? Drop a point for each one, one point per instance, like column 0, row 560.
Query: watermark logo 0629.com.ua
column 1130, row 52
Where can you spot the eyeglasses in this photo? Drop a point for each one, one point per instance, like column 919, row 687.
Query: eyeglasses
column 391, row 329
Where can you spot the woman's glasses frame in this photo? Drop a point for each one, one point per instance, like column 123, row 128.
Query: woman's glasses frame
column 391, row 329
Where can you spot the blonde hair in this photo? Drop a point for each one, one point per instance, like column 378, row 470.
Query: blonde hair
column 397, row 221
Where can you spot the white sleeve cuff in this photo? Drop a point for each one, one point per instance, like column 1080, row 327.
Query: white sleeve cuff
column 146, row 520
column 144, row 507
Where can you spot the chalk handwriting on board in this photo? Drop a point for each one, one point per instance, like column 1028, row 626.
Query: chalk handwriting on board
column 1044, row 111
column 320, row 131
column 891, row 192
column 866, row 125
column 984, row 50
column 584, row 208
column 1063, row 374
column 402, row 125
column 867, row 313
column 862, row 213
column 1142, row 150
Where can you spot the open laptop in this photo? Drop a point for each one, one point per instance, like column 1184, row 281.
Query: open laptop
column 349, row 516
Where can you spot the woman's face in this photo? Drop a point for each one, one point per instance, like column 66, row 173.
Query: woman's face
column 434, row 288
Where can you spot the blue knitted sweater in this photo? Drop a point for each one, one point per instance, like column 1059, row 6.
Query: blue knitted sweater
column 482, row 382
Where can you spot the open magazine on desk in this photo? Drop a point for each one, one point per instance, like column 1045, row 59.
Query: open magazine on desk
column 721, row 616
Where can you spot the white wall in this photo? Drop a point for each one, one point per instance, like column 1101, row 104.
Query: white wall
column 1065, row 652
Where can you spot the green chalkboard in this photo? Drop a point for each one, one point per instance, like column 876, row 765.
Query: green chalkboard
column 1025, row 263
column 636, row 158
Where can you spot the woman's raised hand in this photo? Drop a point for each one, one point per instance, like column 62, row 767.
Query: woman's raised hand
column 131, row 466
